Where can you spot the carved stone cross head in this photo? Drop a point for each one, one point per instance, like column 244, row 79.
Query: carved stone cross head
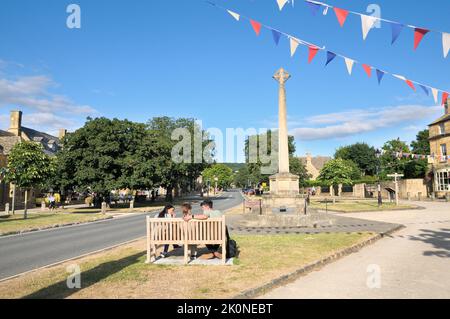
column 282, row 76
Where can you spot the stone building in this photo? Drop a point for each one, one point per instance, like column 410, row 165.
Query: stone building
column 314, row 164
column 17, row 133
column 440, row 147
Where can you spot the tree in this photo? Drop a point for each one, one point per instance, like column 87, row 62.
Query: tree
column 222, row 172
column 422, row 144
column 172, row 174
column 390, row 163
column 28, row 167
column 418, row 168
column 106, row 155
column 362, row 155
column 297, row 167
column 339, row 171
column 255, row 169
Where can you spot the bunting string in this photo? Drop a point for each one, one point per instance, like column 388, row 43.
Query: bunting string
column 368, row 22
column 401, row 155
column 294, row 42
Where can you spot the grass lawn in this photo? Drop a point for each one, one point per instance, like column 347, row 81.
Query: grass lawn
column 15, row 223
column 358, row 206
column 122, row 273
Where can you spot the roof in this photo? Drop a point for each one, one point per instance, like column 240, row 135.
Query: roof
column 444, row 118
column 50, row 143
column 318, row 162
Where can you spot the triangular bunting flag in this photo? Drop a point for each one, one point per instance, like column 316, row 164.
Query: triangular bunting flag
column 315, row 7
column 341, row 15
column 444, row 97
column 435, row 94
column 256, row 26
column 276, row 36
column 410, row 84
column 281, row 4
column 418, row 36
column 234, row 15
column 330, row 57
column 446, row 43
column 349, row 63
column 367, row 22
column 368, row 69
column 294, row 45
column 312, row 53
column 396, row 30
column 425, row 89
column 380, row 75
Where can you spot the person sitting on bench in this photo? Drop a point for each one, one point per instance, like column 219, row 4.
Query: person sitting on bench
column 208, row 212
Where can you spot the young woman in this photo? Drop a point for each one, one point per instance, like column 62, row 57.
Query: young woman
column 187, row 213
column 167, row 212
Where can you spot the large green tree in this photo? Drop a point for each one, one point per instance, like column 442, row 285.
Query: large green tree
column 222, row 172
column 106, row 155
column 28, row 167
column 362, row 155
column 297, row 167
column 390, row 162
column 339, row 171
column 174, row 173
column 418, row 168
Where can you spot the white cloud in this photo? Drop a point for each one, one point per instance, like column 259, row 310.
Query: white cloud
column 348, row 123
column 33, row 92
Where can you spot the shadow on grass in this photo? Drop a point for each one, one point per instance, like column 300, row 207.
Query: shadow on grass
column 88, row 278
column 440, row 240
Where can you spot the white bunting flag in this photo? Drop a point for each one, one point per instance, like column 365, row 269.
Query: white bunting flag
column 367, row 22
column 349, row 63
column 294, row 45
column 446, row 43
column 401, row 77
column 282, row 3
column 234, row 15
column 435, row 95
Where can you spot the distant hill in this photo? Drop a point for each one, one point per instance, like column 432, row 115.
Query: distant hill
column 235, row 166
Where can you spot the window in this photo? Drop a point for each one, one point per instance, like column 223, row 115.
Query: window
column 444, row 149
column 443, row 181
column 442, row 128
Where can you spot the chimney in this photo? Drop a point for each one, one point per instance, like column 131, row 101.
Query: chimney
column 62, row 133
column 15, row 124
column 308, row 158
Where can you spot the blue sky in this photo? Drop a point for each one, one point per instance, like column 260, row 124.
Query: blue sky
column 139, row 59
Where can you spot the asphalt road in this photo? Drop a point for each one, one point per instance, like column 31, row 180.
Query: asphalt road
column 22, row 253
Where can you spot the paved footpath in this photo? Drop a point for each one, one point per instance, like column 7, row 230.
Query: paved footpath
column 412, row 263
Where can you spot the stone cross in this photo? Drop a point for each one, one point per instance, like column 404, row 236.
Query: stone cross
column 282, row 76
column 396, row 176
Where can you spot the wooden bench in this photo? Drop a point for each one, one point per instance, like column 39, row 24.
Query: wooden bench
column 176, row 231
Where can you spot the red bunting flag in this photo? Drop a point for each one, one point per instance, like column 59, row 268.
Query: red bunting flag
column 256, row 26
column 312, row 53
column 444, row 98
column 368, row 69
column 410, row 84
column 341, row 15
column 418, row 36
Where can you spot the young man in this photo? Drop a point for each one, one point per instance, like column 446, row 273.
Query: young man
column 208, row 212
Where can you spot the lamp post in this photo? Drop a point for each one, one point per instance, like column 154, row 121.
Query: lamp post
column 380, row 199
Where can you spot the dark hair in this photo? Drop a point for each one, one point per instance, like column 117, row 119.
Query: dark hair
column 208, row 203
column 187, row 206
column 163, row 213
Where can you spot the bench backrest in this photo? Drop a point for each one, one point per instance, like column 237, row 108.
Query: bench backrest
column 177, row 231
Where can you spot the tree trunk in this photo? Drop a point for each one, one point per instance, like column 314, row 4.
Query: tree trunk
column 169, row 197
column 13, row 204
column 25, row 211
